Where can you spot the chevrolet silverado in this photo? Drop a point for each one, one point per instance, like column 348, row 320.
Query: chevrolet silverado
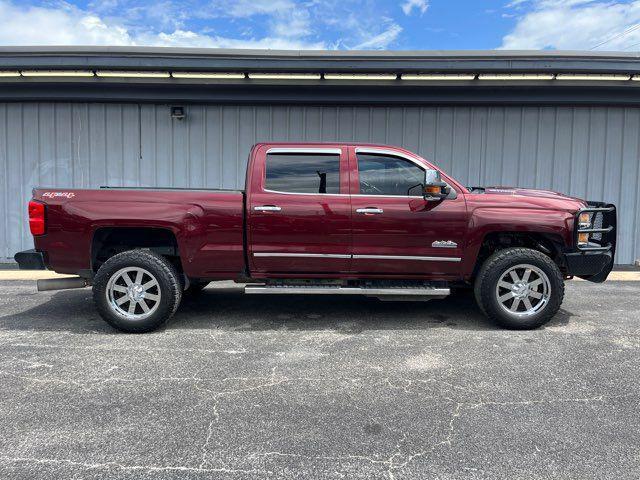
column 322, row 218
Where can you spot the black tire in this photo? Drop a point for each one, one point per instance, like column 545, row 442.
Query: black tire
column 167, row 288
column 487, row 292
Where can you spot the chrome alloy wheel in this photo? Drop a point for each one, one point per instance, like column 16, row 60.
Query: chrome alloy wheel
column 133, row 293
column 523, row 290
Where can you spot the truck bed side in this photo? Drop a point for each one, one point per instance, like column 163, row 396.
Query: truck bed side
column 206, row 225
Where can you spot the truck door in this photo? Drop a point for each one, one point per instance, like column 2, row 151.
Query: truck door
column 395, row 231
column 299, row 212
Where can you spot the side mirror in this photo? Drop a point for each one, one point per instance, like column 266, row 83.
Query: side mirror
column 434, row 188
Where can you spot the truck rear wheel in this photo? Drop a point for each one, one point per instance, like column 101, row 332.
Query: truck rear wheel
column 137, row 291
column 519, row 288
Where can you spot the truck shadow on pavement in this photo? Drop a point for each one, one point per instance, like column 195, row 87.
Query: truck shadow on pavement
column 229, row 309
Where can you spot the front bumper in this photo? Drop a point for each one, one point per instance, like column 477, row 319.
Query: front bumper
column 30, row 260
column 592, row 266
column 594, row 261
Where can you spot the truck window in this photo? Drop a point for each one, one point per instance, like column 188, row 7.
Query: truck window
column 303, row 173
column 386, row 175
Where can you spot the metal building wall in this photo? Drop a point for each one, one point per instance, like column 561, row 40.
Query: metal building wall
column 591, row 153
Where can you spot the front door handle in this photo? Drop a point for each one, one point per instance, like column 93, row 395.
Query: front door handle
column 370, row 210
column 267, row 208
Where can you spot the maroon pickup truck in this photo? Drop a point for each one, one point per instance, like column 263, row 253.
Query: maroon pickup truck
column 322, row 218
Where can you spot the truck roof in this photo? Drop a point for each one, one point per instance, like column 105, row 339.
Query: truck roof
column 346, row 144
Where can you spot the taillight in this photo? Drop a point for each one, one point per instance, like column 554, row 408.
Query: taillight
column 36, row 218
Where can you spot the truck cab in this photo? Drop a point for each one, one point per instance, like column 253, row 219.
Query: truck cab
column 350, row 210
column 323, row 218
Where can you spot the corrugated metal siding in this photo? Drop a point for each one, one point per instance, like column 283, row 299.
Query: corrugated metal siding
column 591, row 153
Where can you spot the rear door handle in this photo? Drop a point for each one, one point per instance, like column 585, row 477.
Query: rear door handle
column 370, row 210
column 267, row 208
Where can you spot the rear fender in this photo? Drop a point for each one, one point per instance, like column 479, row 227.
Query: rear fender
column 72, row 226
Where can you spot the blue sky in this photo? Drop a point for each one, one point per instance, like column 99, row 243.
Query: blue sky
column 330, row 24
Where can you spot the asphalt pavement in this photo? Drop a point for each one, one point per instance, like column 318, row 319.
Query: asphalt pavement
column 319, row 387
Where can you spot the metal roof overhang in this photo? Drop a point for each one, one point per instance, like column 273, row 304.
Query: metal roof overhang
column 326, row 95
column 155, row 58
column 171, row 90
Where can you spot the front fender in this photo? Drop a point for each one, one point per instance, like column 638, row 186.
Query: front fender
column 485, row 221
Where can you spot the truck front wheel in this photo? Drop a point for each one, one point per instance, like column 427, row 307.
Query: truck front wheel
column 137, row 291
column 519, row 288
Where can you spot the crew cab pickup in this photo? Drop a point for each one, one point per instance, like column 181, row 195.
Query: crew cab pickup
column 322, row 218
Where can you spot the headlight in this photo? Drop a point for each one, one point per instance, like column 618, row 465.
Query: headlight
column 584, row 220
column 583, row 239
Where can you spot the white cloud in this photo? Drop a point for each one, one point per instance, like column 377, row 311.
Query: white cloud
column 56, row 26
column 282, row 24
column 69, row 25
column 575, row 25
column 295, row 25
column 186, row 38
column 247, row 8
column 516, row 3
column 382, row 40
column 419, row 5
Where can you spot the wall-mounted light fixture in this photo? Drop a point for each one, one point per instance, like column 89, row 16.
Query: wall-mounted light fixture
column 438, row 77
column 284, row 76
column 360, row 76
column 205, row 75
column 516, row 76
column 178, row 113
column 131, row 74
column 57, row 73
column 596, row 77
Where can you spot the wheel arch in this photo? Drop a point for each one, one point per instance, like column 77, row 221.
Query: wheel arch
column 111, row 240
column 548, row 243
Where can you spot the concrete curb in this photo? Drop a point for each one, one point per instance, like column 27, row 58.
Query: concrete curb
column 30, row 275
column 620, row 276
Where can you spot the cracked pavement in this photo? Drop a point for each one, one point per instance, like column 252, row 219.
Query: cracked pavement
column 319, row 387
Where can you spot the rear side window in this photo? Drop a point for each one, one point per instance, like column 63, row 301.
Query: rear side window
column 385, row 175
column 303, row 172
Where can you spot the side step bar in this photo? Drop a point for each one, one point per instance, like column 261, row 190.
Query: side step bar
column 389, row 293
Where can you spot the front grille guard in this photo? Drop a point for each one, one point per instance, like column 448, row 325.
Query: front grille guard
column 602, row 228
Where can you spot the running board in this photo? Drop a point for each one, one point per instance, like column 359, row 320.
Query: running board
column 384, row 293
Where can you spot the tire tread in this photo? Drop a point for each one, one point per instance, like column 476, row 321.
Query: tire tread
column 146, row 259
column 498, row 262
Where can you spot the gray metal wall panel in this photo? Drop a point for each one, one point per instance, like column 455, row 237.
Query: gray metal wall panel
column 590, row 152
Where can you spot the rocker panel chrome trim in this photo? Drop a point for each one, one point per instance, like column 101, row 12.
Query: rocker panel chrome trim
column 404, row 257
column 301, row 255
column 358, row 257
